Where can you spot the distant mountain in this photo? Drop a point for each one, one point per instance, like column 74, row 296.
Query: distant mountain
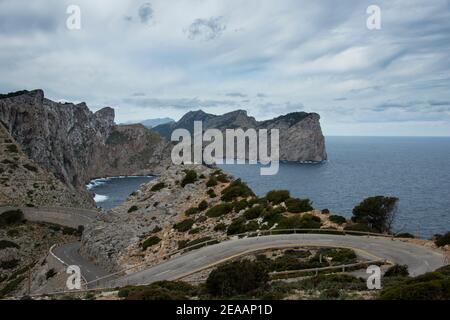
column 150, row 123
column 301, row 137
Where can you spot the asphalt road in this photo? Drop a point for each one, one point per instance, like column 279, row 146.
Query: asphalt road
column 69, row 253
column 419, row 259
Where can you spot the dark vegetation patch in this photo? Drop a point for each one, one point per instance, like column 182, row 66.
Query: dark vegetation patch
column 158, row 186
column 219, row 210
column 184, row 225
column 154, row 240
column 11, row 217
column 338, row 219
column 189, row 178
column 236, row 189
column 296, row 205
column 278, row 196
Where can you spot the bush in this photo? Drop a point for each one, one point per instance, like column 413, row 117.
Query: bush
column 8, row 244
column 191, row 211
column 203, row 206
column 239, row 277
column 405, row 235
column 278, row 196
column 358, row 227
column 325, row 211
column 158, row 186
column 11, row 217
column 184, row 225
column 12, row 148
column 190, row 177
column 30, row 167
column 254, row 212
column 240, row 225
column 236, row 189
column 211, row 193
column 397, row 271
column 443, row 240
column 222, row 178
column 376, row 212
column 50, row 273
column 296, row 205
column 163, row 290
column 240, row 205
column 132, row 209
column 219, row 210
column 10, row 264
column 212, row 182
column 150, row 242
column 307, row 221
column 220, row 227
column 338, row 219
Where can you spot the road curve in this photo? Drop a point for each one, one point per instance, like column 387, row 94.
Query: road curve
column 419, row 259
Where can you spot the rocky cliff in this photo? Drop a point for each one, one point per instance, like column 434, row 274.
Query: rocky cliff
column 76, row 144
column 24, row 183
column 301, row 137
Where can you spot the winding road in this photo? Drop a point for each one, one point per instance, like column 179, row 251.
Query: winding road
column 419, row 259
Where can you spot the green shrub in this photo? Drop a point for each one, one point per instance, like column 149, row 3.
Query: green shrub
column 132, row 209
column 10, row 264
column 240, row 205
column 358, row 227
column 338, row 219
column 12, row 233
column 11, row 217
column 158, row 186
column 296, row 205
column 219, row 210
column 212, row 182
column 8, row 244
column 376, row 212
column 201, row 219
column 30, row 167
column 184, row 225
column 397, row 271
column 405, row 235
column 11, row 286
column 162, row 290
column 12, row 148
column 220, row 227
column 211, row 193
column 222, row 178
column 190, row 177
column 339, row 256
column 236, row 189
column 443, row 240
column 240, row 225
column 191, row 211
column 154, row 240
column 325, row 211
column 50, row 273
column 203, row 206
column 239, row 277
column 254, row 212
column 307, row 221
column 156, row 229
column 278, row 196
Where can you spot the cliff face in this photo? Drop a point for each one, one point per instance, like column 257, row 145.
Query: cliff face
column 24, row 183
column 301, row 137
column 75, row 144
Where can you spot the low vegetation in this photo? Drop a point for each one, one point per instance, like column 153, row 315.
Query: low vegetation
column 442, row 240
column 154, row 240
column 236, row 189
column 219, row 210
column 11, row 217
column 337, row 219
column 158, row 186
column 189, row 178
column 184, row 225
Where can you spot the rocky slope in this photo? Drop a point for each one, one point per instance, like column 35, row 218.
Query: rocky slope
column 301, row 137
column 24, row 183
column 186, row 205
column 75, row 144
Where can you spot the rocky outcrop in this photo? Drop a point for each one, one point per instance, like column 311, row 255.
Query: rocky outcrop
column 301, row 137
column 24, row 183
column 76, row 144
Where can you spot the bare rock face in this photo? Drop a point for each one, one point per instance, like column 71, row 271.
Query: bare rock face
column 24, row 183
column 75, row 144
column 301, row 137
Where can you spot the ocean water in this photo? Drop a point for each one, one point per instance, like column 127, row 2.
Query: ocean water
column 416, row 170
column 112, row 191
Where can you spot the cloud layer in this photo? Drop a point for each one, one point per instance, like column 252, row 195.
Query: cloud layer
column 161, row 58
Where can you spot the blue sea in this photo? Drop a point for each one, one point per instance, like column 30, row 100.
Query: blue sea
column 416, row 170
column 112, row 191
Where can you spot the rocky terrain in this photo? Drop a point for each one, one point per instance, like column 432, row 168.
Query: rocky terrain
column 75, row 144
column 301, row 137
column 24, row 183
column 187, row 205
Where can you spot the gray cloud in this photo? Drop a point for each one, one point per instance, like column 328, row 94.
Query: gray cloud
column 179, row 103
column 206, row 29
column 236, row 94
column 145, row 12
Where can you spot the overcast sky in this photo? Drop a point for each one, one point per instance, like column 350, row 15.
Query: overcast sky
column 150, row 59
